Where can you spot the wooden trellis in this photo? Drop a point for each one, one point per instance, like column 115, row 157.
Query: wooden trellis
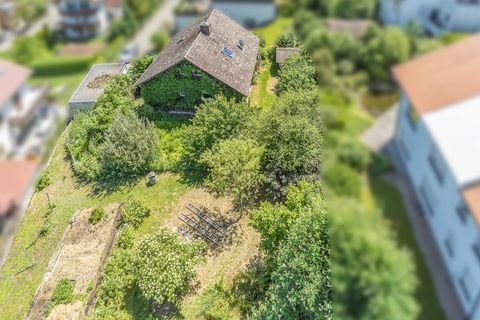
column 204, row 225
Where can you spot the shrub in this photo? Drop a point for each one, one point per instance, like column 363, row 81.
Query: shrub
column 160, row 39
column 125, row 239
column 165, row 266
column 342, row 179
column 96, row 215
column 61, row 65
column 43, row 182
column 62, row 294
column 296, row 74
column 139, row 65
column 133, row 213
column 380, row 164
column 287, row 40
column 354, row 154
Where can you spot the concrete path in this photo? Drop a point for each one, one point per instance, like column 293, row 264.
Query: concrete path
column 164, row 15
column 377, row 138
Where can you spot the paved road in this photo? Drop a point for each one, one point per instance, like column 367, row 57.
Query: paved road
column 164, row 15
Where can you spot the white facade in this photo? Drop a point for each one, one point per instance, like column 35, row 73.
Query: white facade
column 440, row 154
column 435, row 16
column 247, row 13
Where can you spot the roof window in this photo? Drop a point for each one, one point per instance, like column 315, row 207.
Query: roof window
column 228, row 52
column 241, row 44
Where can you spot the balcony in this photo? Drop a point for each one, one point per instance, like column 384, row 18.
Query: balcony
column 78, row 8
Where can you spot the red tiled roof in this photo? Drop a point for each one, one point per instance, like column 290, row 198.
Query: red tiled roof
column 443, row 77
column 12, row 76
column 16, row 177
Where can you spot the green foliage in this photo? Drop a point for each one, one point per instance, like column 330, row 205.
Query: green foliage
column 97, row 215
column 29, row 10
column 287, row 40
column 292, row 135
column 373, row 277
column 365, row 9
column 141, row 9
column 354, row 154
column 123, row 27
column 342, row 179
column 234, row 169
column 126, row 237
column 216, row 303
column 26, row 49
column 296, row 74
column 56, row 66
column 129, row 148
column 215, row 120
column 160, row 39
column 177, row 88
column 138, row 66
column 62, row 294
column 134, row 212
column 44, row 181
column 165, row 266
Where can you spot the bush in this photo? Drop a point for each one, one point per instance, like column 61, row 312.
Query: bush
column 296, row 73
column 160, row 39
column 96, row 215
column 62, row 294
column 133, row 213
column 354, row 154
column 380, row 164
column 342, row 179
column 43, row 182
column 139, row 65
column 287, row 40
column 61, row 65
column 125, row 239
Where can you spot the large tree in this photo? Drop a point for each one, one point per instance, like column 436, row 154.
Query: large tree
column 373, row 277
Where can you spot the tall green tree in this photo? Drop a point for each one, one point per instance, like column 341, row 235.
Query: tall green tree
column 373, row 277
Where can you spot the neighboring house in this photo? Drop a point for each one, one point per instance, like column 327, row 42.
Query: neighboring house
column 437, row 145
column 8, row 20
column 355, row 27
column 214, row 55
column 23, row 111
column 92, row 86
column 249, row 13
column 114, row 9
column 83, row 19
column 434, row 16
column 281, row 54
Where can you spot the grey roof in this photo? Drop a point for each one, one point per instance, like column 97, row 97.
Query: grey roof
column 86, row 94
column 283, row 53
column 205, row 52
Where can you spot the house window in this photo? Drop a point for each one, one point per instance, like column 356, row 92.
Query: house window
column 196, row 75
column 463, row 212
column 436, row 166
column 182, row 95
column 427, row 197
column 412, row 117
column 180, row 73
column 467, row 284
column 476, row 250
column 403, row 149
column 449, row 243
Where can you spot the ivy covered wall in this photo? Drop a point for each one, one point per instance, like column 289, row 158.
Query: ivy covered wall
column 182, row 87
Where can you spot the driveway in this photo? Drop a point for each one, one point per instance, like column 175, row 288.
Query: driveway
column 164, row 15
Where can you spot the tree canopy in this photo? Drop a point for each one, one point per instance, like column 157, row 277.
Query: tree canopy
column 296, row 73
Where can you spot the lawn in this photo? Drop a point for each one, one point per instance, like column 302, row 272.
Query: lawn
column 386, row 196
column 62, row 86
column 273, row 30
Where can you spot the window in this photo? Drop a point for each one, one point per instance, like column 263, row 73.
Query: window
column 403, row 149
column 228, row 52
column 467, row 284
column 182, row 95
column 449, row 244
column 180, row 73
column 463, row 212
column 196, row 75
column 427, row 197
column 437, row 168
column 476, row 250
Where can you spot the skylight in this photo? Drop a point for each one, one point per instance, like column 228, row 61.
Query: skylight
column 228, row 52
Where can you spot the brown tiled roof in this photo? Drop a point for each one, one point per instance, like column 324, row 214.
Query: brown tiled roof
column 356, row 27
column 205, row 52
column 12, row 76
column 472, row 198
column 443, row 77
column 16, row 178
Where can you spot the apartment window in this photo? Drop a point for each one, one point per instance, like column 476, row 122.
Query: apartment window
column 476, row 250
column 434, row 161
column 467, row 284
column 463, row 212
column 403, row 149
column 427, row 197
column 449, row 243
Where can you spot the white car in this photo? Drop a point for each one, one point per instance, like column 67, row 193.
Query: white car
column 128, row 53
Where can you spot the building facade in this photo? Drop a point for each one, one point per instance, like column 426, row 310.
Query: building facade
column 436, row 146
column 434, row 16
column 83, row 19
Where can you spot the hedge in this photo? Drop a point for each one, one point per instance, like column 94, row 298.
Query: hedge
column 61, row 65
column 177, row 88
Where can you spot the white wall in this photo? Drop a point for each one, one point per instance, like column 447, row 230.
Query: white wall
column 246, row 12
column 445, row 221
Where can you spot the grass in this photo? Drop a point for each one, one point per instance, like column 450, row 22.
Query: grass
column 273, row 30
column 389, row 199
column 19, row 278
column 262, row 95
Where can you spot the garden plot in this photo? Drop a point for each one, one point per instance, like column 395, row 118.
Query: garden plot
column 79, row 258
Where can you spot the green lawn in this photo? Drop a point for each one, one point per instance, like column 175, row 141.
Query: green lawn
column 389, row 199
column 18, row 282
column 68, row 82
column 273, row 30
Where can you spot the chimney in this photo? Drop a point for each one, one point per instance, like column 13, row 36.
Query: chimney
column 205, row 28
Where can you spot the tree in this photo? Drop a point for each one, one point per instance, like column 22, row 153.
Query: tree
column 296, row 73
column 160, row 39
column 29, row 11
column 216, row 119
column 293, row 137
column 373, row 277
column 343, row 8
column 165, row 266
column 342, row 180
column 234, row 170
column 129, row 148
column 287, row 40
column 138, row 66
column 26, row 49
column 384, row 48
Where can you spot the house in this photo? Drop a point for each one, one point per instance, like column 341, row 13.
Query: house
column 249, row 13
column 434, row 16
column 437, row 146
column 355, row 27
column 281, row 54
column 16, row 188
column 114, row 9
column 23, row 111
column 92, row 86
column 214, row 55
column 83, row 19
column 8, row 20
